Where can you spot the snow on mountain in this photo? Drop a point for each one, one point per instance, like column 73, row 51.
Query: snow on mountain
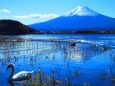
column 82, row 11
column 80, row 19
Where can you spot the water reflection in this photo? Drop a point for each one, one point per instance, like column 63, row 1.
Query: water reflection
column 11, row 83
column 75, row 61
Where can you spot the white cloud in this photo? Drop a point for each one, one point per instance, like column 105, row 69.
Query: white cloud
column 4, row 11
column 37, row 16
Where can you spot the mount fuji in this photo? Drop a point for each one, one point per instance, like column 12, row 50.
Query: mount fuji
column 80, row 19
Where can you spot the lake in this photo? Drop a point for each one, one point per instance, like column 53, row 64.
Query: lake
column 82, row 59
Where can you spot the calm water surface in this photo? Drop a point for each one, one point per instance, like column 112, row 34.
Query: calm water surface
column 82, row 60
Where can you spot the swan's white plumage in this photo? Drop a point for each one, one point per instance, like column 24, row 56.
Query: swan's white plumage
column 23, row 75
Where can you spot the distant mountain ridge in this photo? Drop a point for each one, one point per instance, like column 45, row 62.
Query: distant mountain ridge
column 12, row 27
column 80, row 19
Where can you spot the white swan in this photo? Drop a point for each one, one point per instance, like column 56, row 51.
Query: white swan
column 23, row 75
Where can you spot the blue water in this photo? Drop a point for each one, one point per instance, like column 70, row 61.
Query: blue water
column 92, row 55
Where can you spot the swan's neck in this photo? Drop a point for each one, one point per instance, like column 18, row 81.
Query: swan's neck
column 12, row 73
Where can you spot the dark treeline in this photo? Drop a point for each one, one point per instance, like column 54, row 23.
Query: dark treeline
column 79, row 32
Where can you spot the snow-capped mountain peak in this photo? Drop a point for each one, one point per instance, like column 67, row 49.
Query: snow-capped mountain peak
column 82, row 11
column 80, row 19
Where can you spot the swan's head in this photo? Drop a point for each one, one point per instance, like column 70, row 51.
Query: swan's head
column 9, row 66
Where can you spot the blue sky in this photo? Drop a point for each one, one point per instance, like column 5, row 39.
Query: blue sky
column 32, row 11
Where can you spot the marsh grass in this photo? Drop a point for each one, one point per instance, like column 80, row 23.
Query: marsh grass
column 39, row 79
column 12, row 52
